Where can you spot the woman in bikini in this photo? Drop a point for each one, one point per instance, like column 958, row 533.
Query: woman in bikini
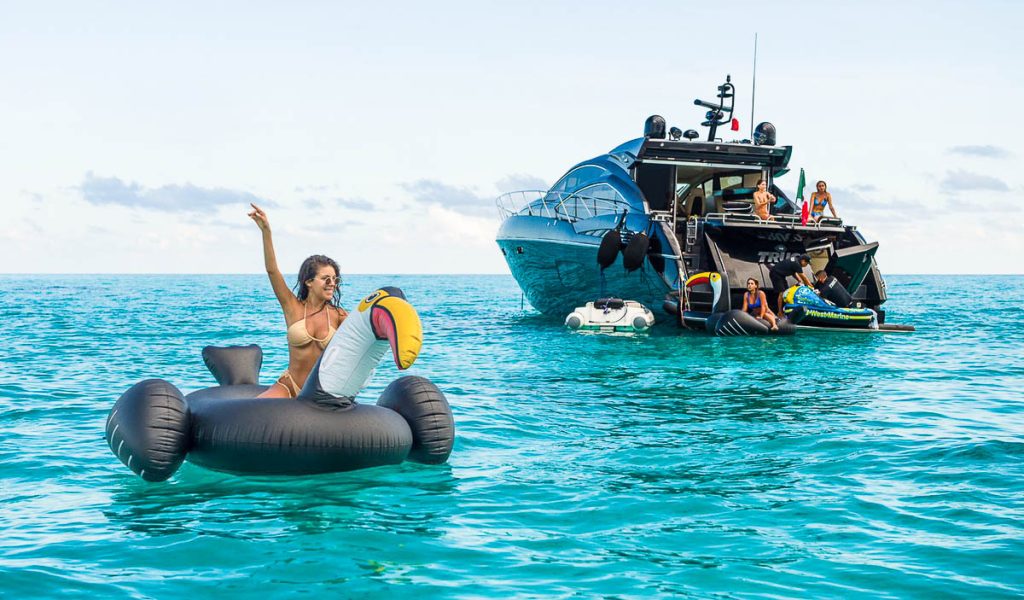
column 819, row 200
column 763, row 200
column 755, row 303
column 311, row 313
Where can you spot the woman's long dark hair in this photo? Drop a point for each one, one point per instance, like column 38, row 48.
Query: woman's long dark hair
column 308, row 271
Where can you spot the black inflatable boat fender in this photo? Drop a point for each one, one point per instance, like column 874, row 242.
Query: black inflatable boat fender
column 426, row 410
column 611, row 243
column 635, row 252
column 148, row 429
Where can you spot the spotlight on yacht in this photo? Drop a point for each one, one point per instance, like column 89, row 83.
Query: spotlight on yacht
column 675, row 133
column 654, row 127
column 691, row 134
column 764, row 134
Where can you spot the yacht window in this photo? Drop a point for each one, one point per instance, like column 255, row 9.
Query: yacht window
column 709, row 188
column 577, row 178
column 602, row 191
column 600, row 199
column 750, row 179
column 730, row 181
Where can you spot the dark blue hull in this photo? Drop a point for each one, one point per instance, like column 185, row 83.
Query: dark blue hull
column 557, row 268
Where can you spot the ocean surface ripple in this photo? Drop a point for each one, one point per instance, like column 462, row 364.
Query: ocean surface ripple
column 664, row 465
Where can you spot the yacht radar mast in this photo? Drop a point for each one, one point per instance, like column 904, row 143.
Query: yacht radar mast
column 716, row 115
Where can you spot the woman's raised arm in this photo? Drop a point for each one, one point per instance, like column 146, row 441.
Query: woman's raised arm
column 284, row 295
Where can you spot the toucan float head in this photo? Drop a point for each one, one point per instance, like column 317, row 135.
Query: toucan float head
column 393, row 319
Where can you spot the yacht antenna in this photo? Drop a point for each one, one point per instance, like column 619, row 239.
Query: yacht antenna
column 716, row 115
column 753, row 89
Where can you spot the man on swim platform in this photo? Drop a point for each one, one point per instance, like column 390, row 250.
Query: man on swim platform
column 829, row 288
column 792, row 266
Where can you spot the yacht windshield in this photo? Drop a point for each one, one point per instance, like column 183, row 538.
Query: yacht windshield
column 575, row 179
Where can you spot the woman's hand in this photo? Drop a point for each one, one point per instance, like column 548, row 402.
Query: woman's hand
column 260, row 218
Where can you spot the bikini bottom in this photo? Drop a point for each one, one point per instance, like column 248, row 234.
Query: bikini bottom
column 290, row 385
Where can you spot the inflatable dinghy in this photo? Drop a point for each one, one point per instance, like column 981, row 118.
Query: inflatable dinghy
column 806, row 308
column 152, row 427
column 611, row 315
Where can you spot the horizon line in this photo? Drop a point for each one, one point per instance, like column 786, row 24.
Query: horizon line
column 26, row 273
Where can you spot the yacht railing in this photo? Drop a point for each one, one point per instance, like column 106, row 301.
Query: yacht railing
column 557, row 205
column 789, row 220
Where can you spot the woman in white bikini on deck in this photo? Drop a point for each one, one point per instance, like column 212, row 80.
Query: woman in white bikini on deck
column 312, row 313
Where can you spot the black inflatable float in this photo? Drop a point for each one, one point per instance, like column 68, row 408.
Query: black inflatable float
column 718, row 318
column 152, row 427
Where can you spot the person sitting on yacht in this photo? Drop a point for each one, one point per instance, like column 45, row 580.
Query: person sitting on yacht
column 792, row 266
column 829, row 288
column 755, row 303
column 819, row 200
column 763, row 200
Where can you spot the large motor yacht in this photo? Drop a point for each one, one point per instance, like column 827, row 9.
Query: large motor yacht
column 637, row 221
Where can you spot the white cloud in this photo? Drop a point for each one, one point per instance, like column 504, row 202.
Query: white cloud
column 961, row 180
column 521, row 181
column 170, row 198
column 986, row 151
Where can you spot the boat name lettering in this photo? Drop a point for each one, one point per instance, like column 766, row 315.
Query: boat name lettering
column 781, row 236
column 767, row 256
column 832, row 315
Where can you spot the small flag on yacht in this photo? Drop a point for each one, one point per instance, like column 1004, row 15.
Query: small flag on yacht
column 805, row 211
column 799, row 191
column 735, row 124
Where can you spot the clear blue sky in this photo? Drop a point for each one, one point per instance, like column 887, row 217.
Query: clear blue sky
column 134, row 134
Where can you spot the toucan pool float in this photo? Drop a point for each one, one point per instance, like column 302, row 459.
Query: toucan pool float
column 611, row 315
column 153, row 427
column 806, row 308
column 707, row 308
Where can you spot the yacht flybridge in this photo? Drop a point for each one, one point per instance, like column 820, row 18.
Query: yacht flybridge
column 638, row 221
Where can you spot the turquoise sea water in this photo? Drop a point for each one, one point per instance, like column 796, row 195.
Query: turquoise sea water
column 826, row 464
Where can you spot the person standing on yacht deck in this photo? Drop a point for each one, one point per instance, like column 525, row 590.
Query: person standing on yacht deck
column 792, row 266
column 819, row 200
column 763, row 199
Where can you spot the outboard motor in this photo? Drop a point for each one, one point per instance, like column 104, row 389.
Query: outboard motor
column 764, row 134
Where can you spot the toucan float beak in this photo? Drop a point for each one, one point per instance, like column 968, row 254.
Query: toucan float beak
column 396, row 321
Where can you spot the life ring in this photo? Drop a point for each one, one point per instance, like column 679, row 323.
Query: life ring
column 153, row 427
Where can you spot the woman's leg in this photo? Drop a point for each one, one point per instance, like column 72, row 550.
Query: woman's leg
column 284, row 387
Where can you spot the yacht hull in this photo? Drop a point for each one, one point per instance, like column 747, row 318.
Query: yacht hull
column 557, row 268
